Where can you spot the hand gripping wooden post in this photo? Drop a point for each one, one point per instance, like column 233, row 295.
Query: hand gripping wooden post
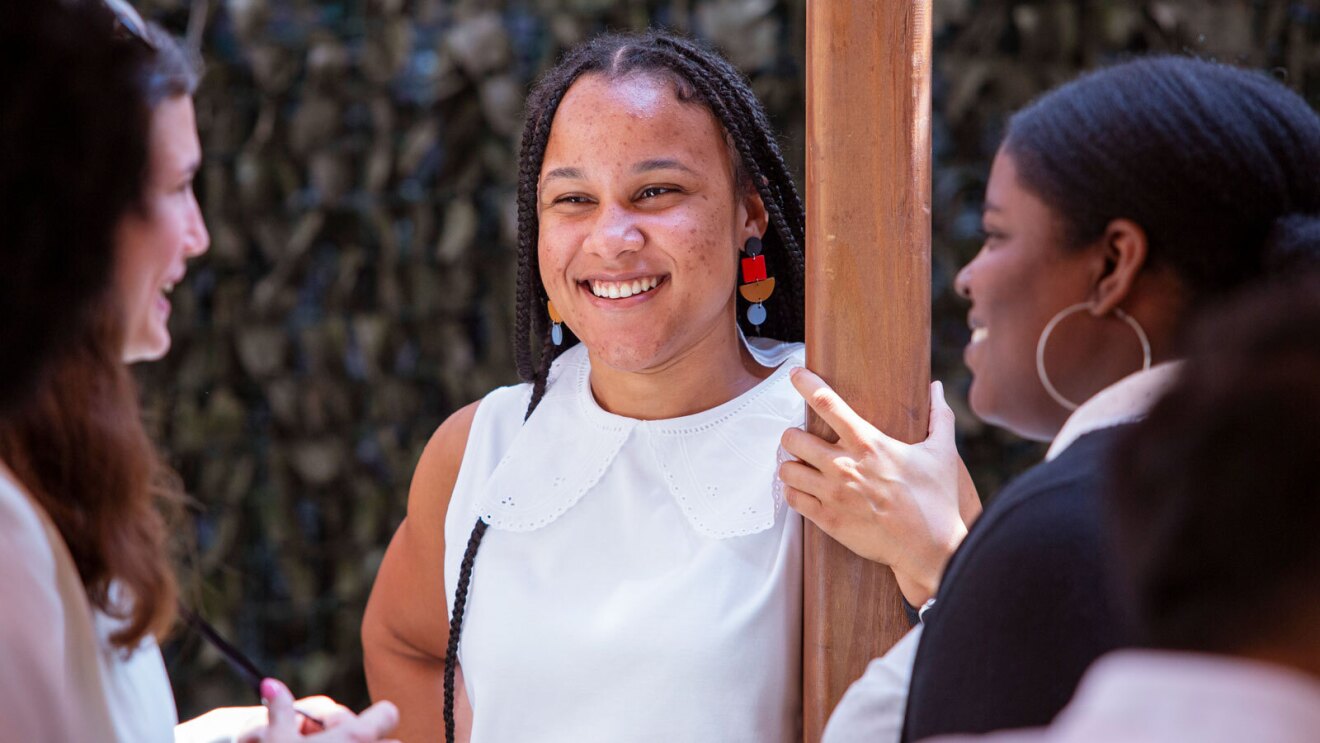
column 867, row 294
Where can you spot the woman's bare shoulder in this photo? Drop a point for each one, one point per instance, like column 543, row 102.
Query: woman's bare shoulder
column 437, row 469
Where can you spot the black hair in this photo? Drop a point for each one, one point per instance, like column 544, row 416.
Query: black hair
column 1203, row 156
column 699, row 76
column 73, row 160
column 1214, row 497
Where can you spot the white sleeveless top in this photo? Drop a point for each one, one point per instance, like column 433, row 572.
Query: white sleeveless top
column 640, row 580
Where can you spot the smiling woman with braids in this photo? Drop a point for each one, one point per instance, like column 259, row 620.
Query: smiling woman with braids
column 615, row 560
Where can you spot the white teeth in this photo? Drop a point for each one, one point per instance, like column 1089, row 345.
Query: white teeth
column 623, row 289
column 979, row 334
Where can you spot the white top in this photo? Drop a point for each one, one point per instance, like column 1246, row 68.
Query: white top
column 137, row 688
column 1148, row 696
column 872, row 709
column 59, row 679
column 640, row 580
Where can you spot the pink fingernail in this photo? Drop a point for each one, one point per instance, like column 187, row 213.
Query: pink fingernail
column 269, row 688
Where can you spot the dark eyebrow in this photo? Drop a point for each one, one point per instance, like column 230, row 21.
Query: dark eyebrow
column 661, row 164
column 569, row 173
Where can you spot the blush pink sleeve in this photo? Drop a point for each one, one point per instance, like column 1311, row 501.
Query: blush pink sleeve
column 34, row 703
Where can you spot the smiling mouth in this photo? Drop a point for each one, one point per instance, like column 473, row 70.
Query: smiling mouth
column 623, row 289
column 979, row 334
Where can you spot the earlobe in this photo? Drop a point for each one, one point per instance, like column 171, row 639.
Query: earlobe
column 1124, row 252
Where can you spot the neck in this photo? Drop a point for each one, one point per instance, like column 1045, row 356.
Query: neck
column 712, row 371
column 1113, row 354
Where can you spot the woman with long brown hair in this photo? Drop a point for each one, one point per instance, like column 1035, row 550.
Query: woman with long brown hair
column 84, row 497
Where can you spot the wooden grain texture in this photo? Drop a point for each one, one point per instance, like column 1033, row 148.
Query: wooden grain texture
column 868, row 293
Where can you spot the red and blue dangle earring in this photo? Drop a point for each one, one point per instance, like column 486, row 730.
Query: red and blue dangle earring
column 757, row 286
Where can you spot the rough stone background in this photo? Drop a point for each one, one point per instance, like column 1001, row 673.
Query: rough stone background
column 358, row 184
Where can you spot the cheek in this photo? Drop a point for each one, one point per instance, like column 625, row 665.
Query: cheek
column 704, row 243
column 551, row 255
column 133, row 259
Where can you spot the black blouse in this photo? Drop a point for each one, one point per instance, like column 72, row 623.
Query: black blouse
column 1026, row 603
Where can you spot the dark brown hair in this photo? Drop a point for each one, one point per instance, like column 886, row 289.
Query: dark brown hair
column 79, row 447
column 73, row 156
column 174, row 70
column 1214, row 497
column 78, row 444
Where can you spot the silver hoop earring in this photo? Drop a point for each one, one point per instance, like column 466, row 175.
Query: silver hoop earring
column 1067, row 404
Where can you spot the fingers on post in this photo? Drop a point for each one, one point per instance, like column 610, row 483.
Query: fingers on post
column 806, row 505
column 941, row 415
column 807, row 447
column 804, row 478
column 826, row 402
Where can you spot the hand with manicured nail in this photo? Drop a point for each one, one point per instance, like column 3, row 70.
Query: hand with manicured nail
column 907, row 506
column 287, row 724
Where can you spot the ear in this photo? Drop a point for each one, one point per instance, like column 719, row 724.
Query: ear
column 1123, row 249
column 753, row 220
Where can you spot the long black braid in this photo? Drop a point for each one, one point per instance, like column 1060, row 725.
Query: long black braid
column 700, row 76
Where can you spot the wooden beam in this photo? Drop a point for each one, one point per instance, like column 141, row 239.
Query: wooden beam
column 867, row 294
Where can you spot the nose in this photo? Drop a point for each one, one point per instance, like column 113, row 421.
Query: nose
column 198, row 238
column 962, row 283
column 614, row 233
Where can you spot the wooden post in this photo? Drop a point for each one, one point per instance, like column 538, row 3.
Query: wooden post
column 867, row 294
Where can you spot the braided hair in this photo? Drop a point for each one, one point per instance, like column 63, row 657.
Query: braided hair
column 699, row 76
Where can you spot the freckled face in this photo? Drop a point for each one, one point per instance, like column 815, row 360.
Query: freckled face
column 153, row 243
column 639, row 225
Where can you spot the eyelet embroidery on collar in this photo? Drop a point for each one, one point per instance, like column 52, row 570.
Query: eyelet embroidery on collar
column 720, row 466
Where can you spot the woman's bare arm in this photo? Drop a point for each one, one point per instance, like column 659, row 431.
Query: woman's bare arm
column 406, row 627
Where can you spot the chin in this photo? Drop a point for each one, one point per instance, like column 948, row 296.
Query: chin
column 153, row 351
column 976, row 401
column 1017, row 417
column 627, row 356
column 981, row 399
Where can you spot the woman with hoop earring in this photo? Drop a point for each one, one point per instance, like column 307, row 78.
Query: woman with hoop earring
column 1118, row 205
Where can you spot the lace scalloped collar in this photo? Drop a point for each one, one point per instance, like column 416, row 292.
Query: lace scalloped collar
column 720, row 465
